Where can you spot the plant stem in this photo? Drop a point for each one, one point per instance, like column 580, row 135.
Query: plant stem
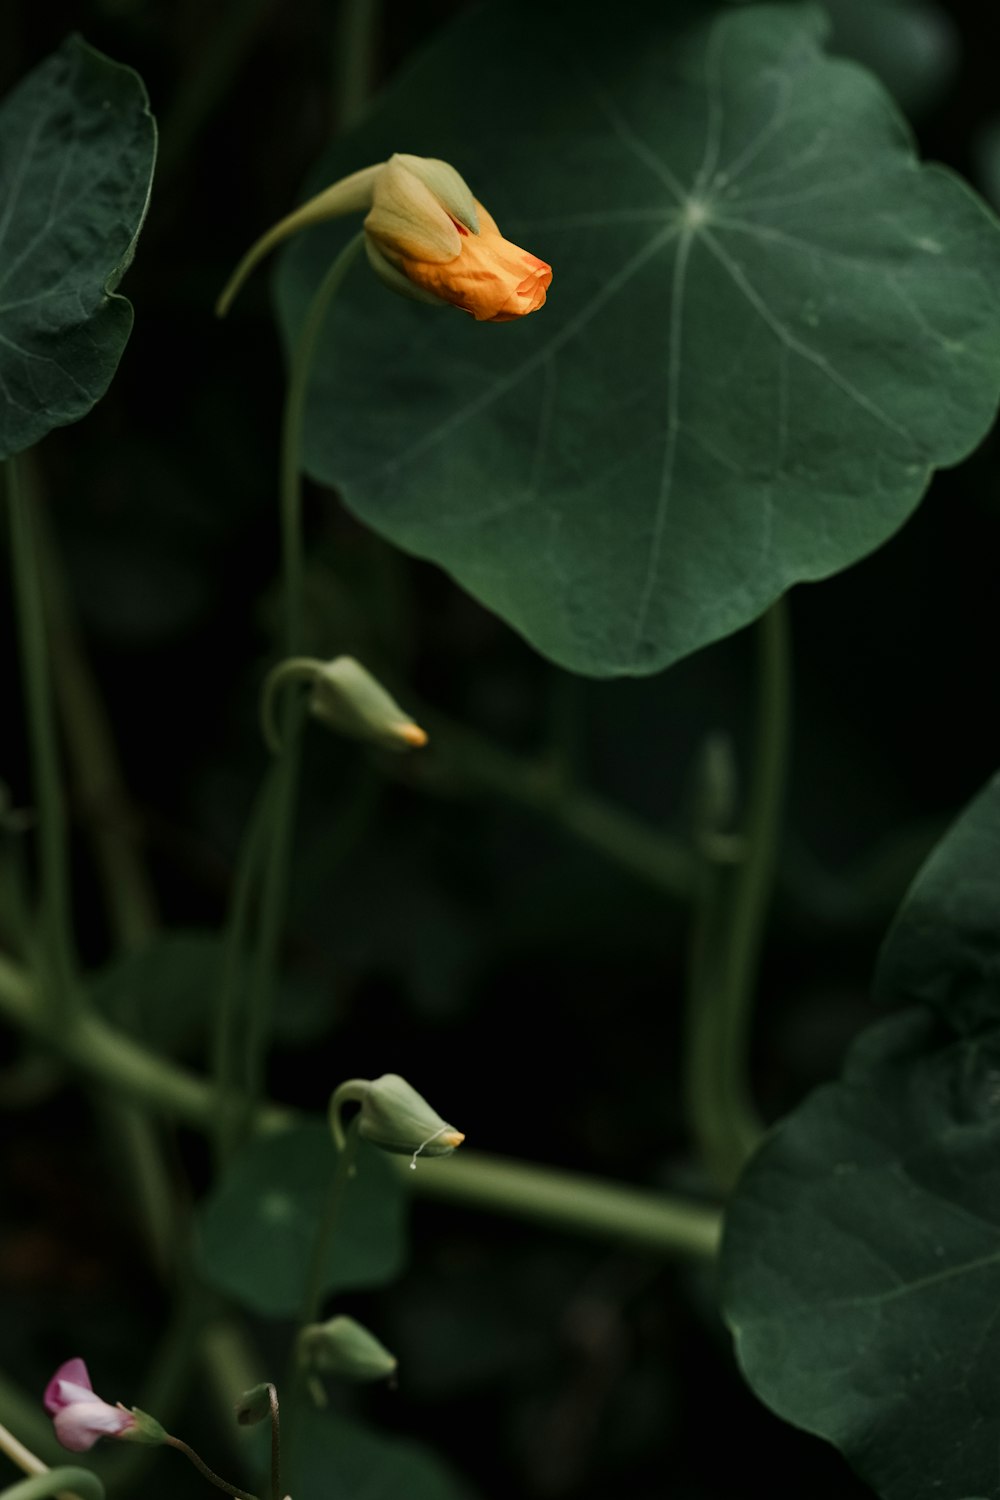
column 210, row 1475
column 754, row 878
column 464, row 757
column 54, row 903
column 100, row 790
column 272, row 1396
column 281, row 802
column 214, row 65
column 233, row 1107
column 612, row 1211
column 66, row 1483
column 729, row 927
column 357, row 33
column 293, row 424
column 343, row 1172
column 604, row 1210
column 19, row 1454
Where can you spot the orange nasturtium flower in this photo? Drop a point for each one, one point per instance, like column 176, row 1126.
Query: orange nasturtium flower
column 426, row 236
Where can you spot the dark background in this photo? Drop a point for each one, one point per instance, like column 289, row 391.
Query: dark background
column 530, row 989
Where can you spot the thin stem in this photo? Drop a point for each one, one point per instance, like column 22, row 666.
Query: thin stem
column 209, row 1474
column 602, row 1210
column 312, row 1301
column 273, row 899
column 64, row 1482
column 466, row 759
column 281, row 817
column 357, row 35
column 19, row 1454
column 99, row 785
column 753, row 878
column 54, row 900
column 729, row 922
column 230, row 1055
column 293, row 425
column 215, row 63
column 588, row 1205
column 272, row 1396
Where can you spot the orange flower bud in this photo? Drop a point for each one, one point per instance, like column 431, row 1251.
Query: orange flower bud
column 426, row 241
column 426, row 237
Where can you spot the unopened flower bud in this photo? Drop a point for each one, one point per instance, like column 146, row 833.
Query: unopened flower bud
column 426, row 237
column 346, row 697
column 345, row 1350
column 255, row 1405
column 394, row 1116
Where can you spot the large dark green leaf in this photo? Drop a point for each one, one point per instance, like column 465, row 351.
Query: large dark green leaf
column 767, row 326
column 861, row 1263
column 77, row 146
column 258, row 1227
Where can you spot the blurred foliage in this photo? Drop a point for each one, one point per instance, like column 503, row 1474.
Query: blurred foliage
column 528, row 986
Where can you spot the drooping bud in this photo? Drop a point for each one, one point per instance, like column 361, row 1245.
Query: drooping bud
column 346, row 698
column 255, row 1405
column 395, row 1117
column 427, row 238
column 344, row 1349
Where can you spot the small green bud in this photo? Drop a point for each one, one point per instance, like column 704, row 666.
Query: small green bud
column 145, row 1429
column 346, row 697
column 394, row 1116
column 254, row 1405
column 344, row 1349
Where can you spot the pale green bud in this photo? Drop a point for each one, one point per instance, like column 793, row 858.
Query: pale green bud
column 394, row 1116
column 342, row 1348
column 346, row 697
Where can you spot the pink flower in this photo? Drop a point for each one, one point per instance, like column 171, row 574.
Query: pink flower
column 79, row 1416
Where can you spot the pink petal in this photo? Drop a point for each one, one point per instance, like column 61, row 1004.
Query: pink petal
column 74, row 1374
column 79, row 1426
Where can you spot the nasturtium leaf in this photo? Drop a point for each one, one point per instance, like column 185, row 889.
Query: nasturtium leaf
column 77, row 147
column 337, row 1456
column 861, row 1260
column 767, row 325
column 257, row 1228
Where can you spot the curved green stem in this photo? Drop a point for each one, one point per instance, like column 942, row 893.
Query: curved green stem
column 466, row 759
column 729, row 925
column 293, row 424
column 63, row 1481
column 281, row 804
column 209, row 1474
column 586, row 1205
column 232, row 1110
column 344, row 1171
column 54, row 901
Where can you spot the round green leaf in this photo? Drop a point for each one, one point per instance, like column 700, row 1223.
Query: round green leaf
column 861, row 1259
column 77, row 146
column 258, row 1227
column 767, row 325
